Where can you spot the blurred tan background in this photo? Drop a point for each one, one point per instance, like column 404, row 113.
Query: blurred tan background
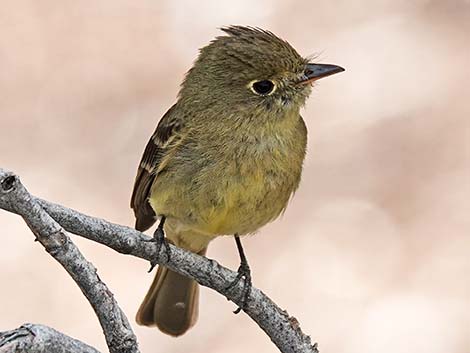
column 373, row 253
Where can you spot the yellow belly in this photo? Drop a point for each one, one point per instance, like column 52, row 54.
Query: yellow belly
column 232, row 201
column 244, row 207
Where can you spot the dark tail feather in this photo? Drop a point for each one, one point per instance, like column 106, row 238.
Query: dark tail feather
column 171, row 303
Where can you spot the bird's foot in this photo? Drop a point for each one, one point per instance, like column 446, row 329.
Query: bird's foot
column 161, row 242
column 245, row 273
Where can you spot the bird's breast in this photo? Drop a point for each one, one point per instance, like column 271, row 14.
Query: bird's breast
column 251, row 182
column 227, row 185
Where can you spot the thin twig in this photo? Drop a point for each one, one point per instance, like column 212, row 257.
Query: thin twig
column 282, row 329
column 117, row 330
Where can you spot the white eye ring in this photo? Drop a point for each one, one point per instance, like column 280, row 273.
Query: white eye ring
column 262, row 87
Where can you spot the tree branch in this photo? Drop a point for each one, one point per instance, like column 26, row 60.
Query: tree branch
column 282, row 329
column 30, row 338
column 49, row 233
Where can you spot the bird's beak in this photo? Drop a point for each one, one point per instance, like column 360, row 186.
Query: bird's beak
column 315, row 72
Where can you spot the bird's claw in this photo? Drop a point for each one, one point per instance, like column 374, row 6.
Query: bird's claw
column 245, row 273
column 161, row 242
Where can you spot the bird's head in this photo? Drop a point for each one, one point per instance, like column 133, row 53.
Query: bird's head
column 251, row 70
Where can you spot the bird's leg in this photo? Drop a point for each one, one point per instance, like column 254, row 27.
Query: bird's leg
column 243, row 272
column 160, row 240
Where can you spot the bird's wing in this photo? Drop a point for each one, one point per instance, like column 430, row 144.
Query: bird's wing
column 150, row 165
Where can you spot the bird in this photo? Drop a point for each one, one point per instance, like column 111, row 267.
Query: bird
column 224, row 160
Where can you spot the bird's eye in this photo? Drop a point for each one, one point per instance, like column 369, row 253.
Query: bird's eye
column 263, row 87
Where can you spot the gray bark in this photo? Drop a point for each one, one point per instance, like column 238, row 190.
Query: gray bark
column 116, row 327
column 30, row 338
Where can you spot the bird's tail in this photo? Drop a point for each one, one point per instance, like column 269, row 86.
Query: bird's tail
column 172, row 302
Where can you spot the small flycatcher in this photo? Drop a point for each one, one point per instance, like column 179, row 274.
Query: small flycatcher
column 224, row 159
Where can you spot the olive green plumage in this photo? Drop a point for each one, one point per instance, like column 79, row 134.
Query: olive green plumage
column 225, row 159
